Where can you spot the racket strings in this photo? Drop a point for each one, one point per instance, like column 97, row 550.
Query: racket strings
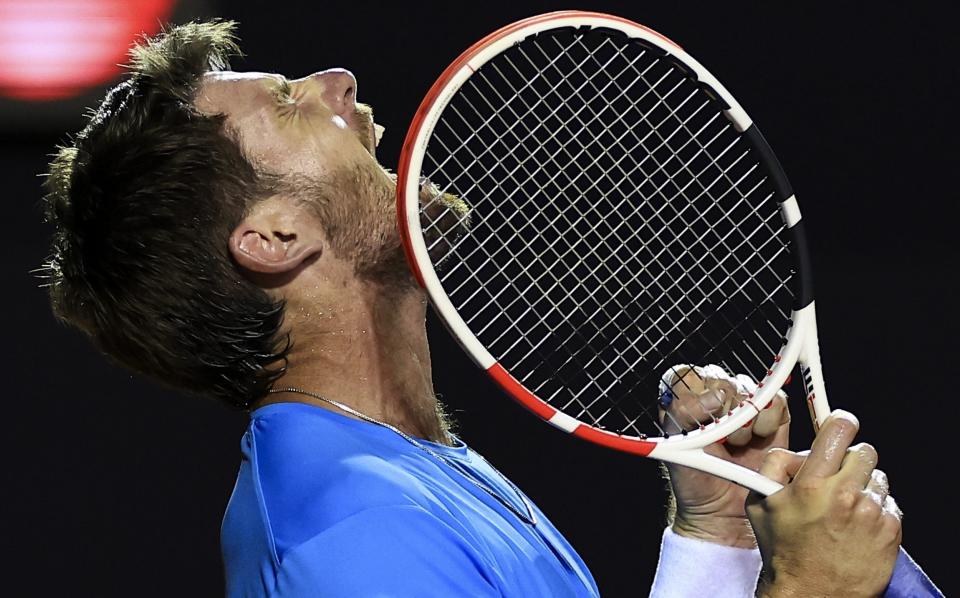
column 705, row 190
column 602, row 240
column 517, row 92
column 626, row 151
column 620, row 226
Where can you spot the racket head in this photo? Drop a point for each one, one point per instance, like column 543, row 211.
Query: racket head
column 463, row 313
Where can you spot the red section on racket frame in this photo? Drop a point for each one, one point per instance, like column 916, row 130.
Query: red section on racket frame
column 529, row 400
column 441, row 82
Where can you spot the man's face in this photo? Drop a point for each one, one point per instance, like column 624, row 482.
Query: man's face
column 310, row 126
column 312, row 134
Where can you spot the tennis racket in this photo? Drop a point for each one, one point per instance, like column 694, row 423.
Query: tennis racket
column 625, row 216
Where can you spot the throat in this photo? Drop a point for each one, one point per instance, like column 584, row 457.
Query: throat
column 432, row 427
column 370, row 355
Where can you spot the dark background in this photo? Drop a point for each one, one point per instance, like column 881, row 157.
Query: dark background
column 116, row 488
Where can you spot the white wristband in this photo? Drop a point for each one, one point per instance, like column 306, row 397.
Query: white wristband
column 691, row 568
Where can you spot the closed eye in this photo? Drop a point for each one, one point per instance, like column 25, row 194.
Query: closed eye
column 284, row 91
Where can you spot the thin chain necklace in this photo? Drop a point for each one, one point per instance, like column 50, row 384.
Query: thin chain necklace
column 529, row 517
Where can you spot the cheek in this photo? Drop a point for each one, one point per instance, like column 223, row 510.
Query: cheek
column 312, row 148
column 302, row 143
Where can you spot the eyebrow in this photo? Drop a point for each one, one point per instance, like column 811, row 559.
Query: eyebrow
column 279, row 82
column 281, row 89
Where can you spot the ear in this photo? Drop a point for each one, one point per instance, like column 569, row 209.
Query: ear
column 276, row 237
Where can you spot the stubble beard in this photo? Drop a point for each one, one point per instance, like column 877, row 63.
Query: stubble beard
column 357, row 208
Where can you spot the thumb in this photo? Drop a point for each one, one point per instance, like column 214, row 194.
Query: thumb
column 780, row 465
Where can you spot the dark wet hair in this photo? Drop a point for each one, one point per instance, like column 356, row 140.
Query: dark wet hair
column 143, row 203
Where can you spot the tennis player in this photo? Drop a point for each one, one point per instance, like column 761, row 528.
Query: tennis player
column 233, row 236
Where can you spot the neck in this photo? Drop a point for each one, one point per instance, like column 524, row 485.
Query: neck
column 367, row 350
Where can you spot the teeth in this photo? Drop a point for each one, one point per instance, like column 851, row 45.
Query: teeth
column 377, row 133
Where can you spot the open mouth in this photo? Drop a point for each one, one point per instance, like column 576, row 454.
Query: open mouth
column 368, row 131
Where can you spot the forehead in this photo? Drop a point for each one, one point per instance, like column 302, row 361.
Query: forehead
column 231, row 92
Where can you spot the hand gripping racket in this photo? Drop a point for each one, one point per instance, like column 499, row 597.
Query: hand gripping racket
column 626, row 215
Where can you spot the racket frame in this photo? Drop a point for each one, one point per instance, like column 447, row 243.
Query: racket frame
column 683, row 449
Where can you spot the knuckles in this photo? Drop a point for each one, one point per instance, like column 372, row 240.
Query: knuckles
column 778, row 458
column 740, row 437
column 891, row 529
column 891, row 526
column 776, row 464
column 848, row 499
column 868, row 508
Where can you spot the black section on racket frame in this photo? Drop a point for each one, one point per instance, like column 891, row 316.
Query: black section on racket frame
column 769, row 160
column 802, row 281
column 574, row 31
column 682, row 67
column 648, row 46
column 661, row 52
column 713, row 95
column 610, row 32
column 560, row 30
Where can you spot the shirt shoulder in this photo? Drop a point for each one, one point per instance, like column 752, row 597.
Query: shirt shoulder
column 312, row 473
column 318, row 491
column 381, row 551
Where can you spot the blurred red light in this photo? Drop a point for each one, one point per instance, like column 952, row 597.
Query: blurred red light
column 53, row 49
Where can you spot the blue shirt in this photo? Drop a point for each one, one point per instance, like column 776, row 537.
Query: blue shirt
column 326, row 505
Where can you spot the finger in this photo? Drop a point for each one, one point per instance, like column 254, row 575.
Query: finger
column 731, row 395
column 879, row 484
column 892, row 521
column 723, row 395
column 686, row 412
column 667, row 410
column 858, row 464
column 830, row 445
column 697, row 380
column 781, row 465
column 770, row 419
column 676, row 419
column 890, row 506
column 687, row 402
column 685, row 377
column 742, row 436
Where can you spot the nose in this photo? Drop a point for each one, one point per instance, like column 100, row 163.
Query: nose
column 339, row 90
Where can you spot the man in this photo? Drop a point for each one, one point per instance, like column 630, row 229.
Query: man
column 232, row 235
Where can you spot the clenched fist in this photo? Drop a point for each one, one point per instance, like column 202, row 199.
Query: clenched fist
column 707, row 507
column 833, row 530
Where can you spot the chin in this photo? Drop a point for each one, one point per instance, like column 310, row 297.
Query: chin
column 367, row 129
column 449, row 218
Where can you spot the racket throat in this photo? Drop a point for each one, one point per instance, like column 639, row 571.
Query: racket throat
column 701, row 461
column 811, row 369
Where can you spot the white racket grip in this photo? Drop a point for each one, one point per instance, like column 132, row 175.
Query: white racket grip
column 699, row 460
column 812, row 370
